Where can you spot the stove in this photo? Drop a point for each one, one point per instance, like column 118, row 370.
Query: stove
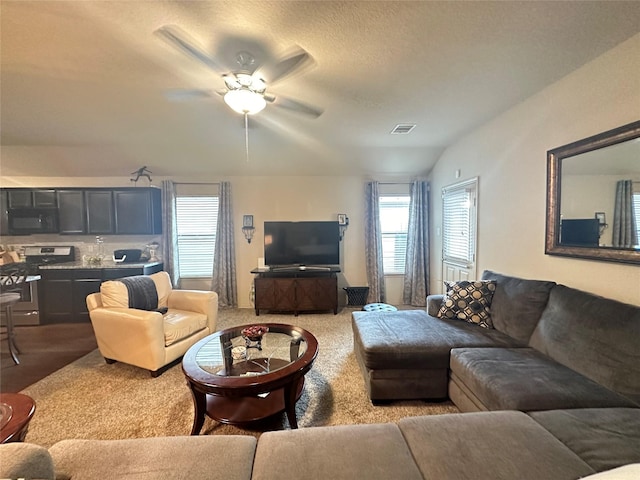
column 27, row 311
column 35, row 256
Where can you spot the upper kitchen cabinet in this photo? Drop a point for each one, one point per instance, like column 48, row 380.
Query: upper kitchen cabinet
column 138, row 211
column 28, row 197
column 72, row 217
column 4, row 213
column 90, row 211
column 100, row 216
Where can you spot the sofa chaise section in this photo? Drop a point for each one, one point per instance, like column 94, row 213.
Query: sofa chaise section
column 405, row 354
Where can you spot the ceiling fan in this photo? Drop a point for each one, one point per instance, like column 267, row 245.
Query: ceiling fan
column 245, row 88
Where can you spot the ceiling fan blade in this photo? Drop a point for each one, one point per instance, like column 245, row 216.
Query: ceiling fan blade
column 285, row 67
column 180, row 94
column 296, row 106
column 179, row 39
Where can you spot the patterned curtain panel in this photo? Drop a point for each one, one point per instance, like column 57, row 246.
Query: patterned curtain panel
column 224, row 262
column 624, row 223
column 169, row 235
column 373, row 244
column 416, row 272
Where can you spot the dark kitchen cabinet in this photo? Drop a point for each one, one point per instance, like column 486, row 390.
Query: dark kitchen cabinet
column 138, row 211
column 72, row 212
column 92, row 211
column 4, row 213
column 28, row 197
column 63, row 291
column 100, row 215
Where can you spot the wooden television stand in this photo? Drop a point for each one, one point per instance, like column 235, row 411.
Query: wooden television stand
column 294, row 289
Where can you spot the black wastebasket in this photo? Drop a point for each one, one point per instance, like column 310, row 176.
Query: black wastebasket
column 356, row 295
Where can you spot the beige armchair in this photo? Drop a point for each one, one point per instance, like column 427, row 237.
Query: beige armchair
column 150, row 339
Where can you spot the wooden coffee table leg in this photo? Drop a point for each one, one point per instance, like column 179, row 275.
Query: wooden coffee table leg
column 200, row 408
column 290, row 403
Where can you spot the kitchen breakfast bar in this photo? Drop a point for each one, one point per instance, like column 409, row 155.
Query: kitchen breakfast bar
column 64, row 287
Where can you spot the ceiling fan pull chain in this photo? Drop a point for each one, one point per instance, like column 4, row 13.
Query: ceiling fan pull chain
column 246, row 134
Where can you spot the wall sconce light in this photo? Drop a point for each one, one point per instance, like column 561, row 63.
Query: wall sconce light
column 602, row 221
column 343, row 223
column 247, row 227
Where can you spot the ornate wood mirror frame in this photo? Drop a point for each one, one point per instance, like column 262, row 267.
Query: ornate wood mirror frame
column 555, row 159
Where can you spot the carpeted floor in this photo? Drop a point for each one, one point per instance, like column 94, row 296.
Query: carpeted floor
column 90, row 399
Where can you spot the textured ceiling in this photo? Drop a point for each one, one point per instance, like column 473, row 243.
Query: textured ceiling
column 85, row 85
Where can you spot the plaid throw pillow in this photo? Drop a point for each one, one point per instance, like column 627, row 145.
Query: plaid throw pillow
column 469, row 301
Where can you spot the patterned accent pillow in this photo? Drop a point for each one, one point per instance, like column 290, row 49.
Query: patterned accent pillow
column 469, row 301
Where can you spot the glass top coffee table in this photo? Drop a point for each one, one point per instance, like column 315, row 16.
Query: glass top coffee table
column 238, row 379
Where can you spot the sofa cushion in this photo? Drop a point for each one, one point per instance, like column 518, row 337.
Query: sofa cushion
column 469, row 301
column 595, row 336
column 604, row 438
column 524, row 379
column 495, row 445
column 517, row 304
column 179, row 324
column 223, row 457
column 343, row 452
column 25, row 460
column 412, row 339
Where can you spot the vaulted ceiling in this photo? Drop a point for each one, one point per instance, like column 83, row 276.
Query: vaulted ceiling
column 88, row 89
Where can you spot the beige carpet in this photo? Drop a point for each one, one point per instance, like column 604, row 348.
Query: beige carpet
column 90, row 399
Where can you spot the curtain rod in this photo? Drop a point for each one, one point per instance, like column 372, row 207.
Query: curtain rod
column 197, row 183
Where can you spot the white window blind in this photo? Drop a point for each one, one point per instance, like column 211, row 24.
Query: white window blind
column 394, row 222
column 196, row 223
column 458, row 223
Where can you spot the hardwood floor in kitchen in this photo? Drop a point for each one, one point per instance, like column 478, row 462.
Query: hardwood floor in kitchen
column 44, row 349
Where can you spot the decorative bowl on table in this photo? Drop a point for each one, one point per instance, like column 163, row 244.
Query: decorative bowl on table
column 253, row 335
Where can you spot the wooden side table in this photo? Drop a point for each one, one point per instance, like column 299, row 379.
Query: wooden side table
column 19, row 414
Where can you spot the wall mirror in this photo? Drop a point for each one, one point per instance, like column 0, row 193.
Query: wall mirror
column 593, row 197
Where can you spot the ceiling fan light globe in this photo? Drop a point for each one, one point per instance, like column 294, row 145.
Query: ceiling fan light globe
column 244, row 79
column 231, row 82
column 245, row 101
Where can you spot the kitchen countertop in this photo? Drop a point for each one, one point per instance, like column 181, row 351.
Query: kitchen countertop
column 105, row 264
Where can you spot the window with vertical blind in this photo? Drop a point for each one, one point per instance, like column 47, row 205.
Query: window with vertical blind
column 394, row 222
column 459, row 222
column 196, row 223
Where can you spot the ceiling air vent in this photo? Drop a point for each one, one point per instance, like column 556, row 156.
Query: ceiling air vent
column 403, row 128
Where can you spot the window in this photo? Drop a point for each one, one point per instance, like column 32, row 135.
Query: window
column 394, row 221
column 459, row 223
column 196, row 223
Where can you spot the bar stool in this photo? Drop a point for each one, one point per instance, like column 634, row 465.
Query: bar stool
column 12, row 276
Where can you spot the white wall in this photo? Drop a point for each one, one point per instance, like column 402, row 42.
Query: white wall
column 508, row 154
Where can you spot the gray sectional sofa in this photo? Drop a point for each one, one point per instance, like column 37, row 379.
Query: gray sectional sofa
column 552, row 347
column 552, row 392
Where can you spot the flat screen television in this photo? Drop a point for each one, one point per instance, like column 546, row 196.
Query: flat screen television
column 301, row 243
column 584, row 232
